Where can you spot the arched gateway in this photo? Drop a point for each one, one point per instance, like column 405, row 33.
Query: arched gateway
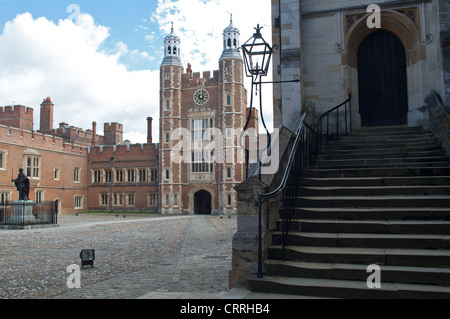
column 202, row 203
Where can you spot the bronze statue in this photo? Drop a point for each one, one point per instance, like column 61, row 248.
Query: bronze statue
column 23, row 185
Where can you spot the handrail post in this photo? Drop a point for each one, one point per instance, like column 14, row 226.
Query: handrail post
column 260, row 261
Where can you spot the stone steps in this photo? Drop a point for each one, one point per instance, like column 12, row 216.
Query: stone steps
column 378, row 196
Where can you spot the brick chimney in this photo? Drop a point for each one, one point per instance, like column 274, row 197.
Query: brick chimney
column 149, row 130
column 94, row 134
column 46, row 123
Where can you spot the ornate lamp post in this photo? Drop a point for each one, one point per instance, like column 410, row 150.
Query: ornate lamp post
column 257, row 57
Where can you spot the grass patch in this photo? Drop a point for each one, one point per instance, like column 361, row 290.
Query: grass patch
column 119, row 213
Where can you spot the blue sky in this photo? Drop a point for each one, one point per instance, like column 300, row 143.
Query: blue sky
column 129, row 21
column 104, row 66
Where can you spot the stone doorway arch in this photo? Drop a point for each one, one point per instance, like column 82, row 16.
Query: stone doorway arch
column 405, row 29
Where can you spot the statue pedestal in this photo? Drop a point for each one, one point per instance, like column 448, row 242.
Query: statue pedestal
column 23, row 212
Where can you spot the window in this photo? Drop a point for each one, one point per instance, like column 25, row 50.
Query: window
column 39, row 197
column 153, row 175
column 118, row 199
column 229, row 200
column 228, row 99
column 97, row 176
column 202, row 129
column 108, row 176
column 4, row 197
column 228, row 172
column 119, row 176
column 202, row 162
column 78, row 202
column 152, row 200
column 130, row 175
column 2, row 160
column 57, row 174
column 142, row 175
column 175, row 200
column 167, row 201
column 167, row 138
column 167, row 101
column 131, row 199
column 33, row 166
column 76, row 174
column 167, row 174
column 104, row 199
column 229, row 133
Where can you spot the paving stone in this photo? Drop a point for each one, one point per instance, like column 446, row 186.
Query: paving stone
column 139, row 256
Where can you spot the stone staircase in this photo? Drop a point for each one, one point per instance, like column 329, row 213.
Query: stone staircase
column 379, row 196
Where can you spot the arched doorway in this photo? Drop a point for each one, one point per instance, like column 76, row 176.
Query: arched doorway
column 382, row 80
column 202, row 203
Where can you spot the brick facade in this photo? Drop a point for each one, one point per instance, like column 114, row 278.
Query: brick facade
column 71, row 166
column 201, row 166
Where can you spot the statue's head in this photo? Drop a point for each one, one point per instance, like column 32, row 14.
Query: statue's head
column 20, row 170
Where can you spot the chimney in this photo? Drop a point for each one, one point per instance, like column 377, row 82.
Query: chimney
column 94, row 134
column 149, row 130
column 46, row 124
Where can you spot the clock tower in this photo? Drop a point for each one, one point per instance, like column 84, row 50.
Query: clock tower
column 211, row 109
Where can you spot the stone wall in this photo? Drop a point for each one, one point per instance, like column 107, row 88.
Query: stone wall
column 444, row 24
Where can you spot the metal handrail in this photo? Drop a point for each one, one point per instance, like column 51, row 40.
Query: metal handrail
column 314, row 142
column 441, row 103
column 287, row 171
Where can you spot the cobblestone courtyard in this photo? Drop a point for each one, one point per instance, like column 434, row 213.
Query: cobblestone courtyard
column 136, row 256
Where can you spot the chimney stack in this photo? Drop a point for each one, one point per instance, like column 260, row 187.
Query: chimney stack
column 94, row 134
column 149, row 130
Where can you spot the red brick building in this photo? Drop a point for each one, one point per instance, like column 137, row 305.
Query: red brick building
column 73, row 166
column 201, row 117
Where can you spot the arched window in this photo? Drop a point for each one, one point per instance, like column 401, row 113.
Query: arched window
column 235, row 43
column 229, row 43
column 174, row 50
column 169, row 50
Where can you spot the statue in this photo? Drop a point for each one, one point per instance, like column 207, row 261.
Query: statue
column 23, row 185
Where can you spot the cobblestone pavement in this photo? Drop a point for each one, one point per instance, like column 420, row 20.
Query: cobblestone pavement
column 136, row 256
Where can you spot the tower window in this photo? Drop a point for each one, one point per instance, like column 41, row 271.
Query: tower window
column 229, row 43
column 174, row 50
column 169, row 50
column 235, row 43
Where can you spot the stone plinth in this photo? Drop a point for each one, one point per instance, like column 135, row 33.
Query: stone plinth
column 23, row 212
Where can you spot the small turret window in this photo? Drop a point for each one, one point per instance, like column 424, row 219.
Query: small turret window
column 169, row 50
column 175, row 50
column 235, row 43
column 229, row 43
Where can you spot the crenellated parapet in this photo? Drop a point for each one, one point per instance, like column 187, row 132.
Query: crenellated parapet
column 32, row 139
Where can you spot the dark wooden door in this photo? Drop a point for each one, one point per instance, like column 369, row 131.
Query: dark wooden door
column 383, row 90
column 202, row 203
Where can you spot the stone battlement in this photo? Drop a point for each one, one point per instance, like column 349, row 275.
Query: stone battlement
column 31, row 139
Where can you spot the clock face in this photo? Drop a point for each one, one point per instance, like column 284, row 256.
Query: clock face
column 201, row 97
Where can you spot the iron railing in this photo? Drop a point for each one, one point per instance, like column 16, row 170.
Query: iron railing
column 26, row 213
column 304, row 154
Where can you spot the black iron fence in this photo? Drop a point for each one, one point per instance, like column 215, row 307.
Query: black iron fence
column 25, row 213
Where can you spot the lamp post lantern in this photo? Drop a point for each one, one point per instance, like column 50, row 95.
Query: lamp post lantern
column 257, row 57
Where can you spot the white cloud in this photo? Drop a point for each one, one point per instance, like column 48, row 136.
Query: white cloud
column 200, row 23
column 39, row 58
